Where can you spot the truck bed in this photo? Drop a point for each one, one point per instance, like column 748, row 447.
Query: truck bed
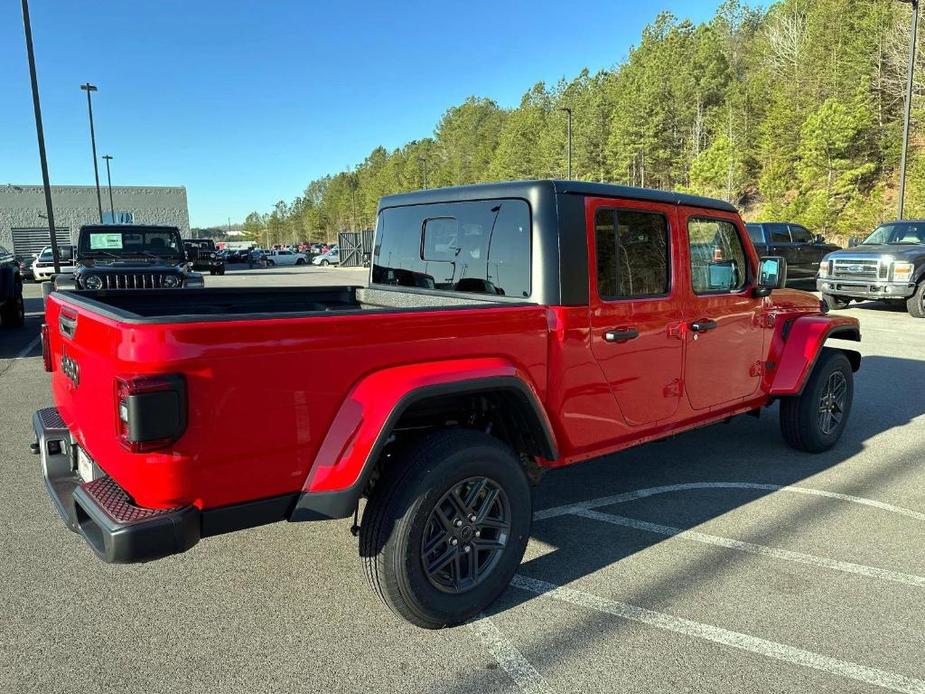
column 265, row 371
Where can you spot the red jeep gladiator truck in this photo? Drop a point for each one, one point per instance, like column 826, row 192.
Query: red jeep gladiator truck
column 505, row 329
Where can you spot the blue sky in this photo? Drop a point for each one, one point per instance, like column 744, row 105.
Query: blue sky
column 245, row 102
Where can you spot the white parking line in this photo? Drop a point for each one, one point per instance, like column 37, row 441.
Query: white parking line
column 28, row 348
column 707, row 632
column 509, row 658
column 751, row 548
column 653, row 491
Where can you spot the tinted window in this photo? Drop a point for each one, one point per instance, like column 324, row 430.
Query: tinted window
column 777, row 233
column 755, row 232
column 800, row 235
column 481, row 247
column 65, row 254
column 718, row 261
column 897, row 233
column 632, row 253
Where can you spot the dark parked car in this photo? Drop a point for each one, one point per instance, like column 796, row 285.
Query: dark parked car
column 202, row 256
column 12, row 308
column 889, row 265
column 801, row 249
column 25, row 268
column 129, row 256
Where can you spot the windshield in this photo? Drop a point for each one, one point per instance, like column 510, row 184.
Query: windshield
column 896, row 234
column 107, row 243
column 65, row 254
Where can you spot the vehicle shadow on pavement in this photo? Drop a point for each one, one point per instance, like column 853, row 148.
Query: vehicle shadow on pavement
column 745, row 450
column 14, row 340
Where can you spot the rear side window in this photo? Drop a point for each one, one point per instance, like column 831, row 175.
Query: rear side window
column 718, row 262
column 777, row 233
column 632, row 253
column 755, row 232
column 482, row 247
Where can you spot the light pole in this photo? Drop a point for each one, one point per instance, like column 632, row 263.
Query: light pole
column 568, row 113
column 423, row 161
column 96, row 170
column 40, row 133
column 112, row 208
column 908, row 110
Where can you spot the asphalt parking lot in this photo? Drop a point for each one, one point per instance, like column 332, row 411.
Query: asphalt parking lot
column 719, row 560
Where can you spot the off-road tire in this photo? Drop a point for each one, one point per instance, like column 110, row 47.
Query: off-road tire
column 836, row 303
column 13, row 313
column 915, row 304
column 800, row 415
column 399, row 511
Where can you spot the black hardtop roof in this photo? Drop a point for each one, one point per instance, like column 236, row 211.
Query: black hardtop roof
column 114, row 228
column 529, row 189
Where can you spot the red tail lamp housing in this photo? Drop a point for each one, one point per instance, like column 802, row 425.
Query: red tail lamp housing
column 151, row 411
column 46, row 349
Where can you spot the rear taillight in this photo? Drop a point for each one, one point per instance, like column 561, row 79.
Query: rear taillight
column 46, row 349
column 150, row 411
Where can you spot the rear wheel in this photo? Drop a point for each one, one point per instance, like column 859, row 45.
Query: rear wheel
column 13, row 313
column 446, row 527
column 915, row 304
column 836, row 303
column 270, row 263
column 814, row 420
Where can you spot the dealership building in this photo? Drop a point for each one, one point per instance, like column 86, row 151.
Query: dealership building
column 24, row 225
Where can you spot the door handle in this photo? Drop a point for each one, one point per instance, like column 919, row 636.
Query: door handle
column 621, row 334
column 702, row 325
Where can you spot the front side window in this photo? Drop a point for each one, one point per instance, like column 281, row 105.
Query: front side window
column 632, row 254
column 800, row 234
column 480, row 246
column 718, row 261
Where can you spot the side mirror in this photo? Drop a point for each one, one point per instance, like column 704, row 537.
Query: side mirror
column 772, row 274
column 819, row 239
column 853, row 242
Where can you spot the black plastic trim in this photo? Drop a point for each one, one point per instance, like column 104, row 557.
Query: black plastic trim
column 250, row 514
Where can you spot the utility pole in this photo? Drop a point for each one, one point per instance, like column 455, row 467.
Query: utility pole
column 96, row 169
column 40, row 133
column 112, row 208
column 568, row 113
column 423, row 161
column 909, row 74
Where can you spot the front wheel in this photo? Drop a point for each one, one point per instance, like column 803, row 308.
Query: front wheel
column 814, row 420
column 324, row 263
column 836, row 303
column 915, row 304
column 300, row 261
column 446, row 527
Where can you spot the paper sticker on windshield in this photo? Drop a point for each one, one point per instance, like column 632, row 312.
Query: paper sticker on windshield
column 105, row 241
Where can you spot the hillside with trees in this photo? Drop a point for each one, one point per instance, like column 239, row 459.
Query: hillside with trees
column 794, row 112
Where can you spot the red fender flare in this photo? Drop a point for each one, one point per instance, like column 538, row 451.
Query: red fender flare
column 803, row 340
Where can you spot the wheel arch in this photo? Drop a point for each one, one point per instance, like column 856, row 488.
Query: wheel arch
column 804, row 340
column 366, row 422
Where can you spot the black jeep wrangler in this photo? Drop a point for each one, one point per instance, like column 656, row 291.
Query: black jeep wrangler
column 12, row 308
column 129, row 256
column 201, row 255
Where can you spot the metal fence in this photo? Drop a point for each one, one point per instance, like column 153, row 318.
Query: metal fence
column 356, row 247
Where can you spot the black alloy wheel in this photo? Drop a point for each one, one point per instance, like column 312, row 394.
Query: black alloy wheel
column 465, row 535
